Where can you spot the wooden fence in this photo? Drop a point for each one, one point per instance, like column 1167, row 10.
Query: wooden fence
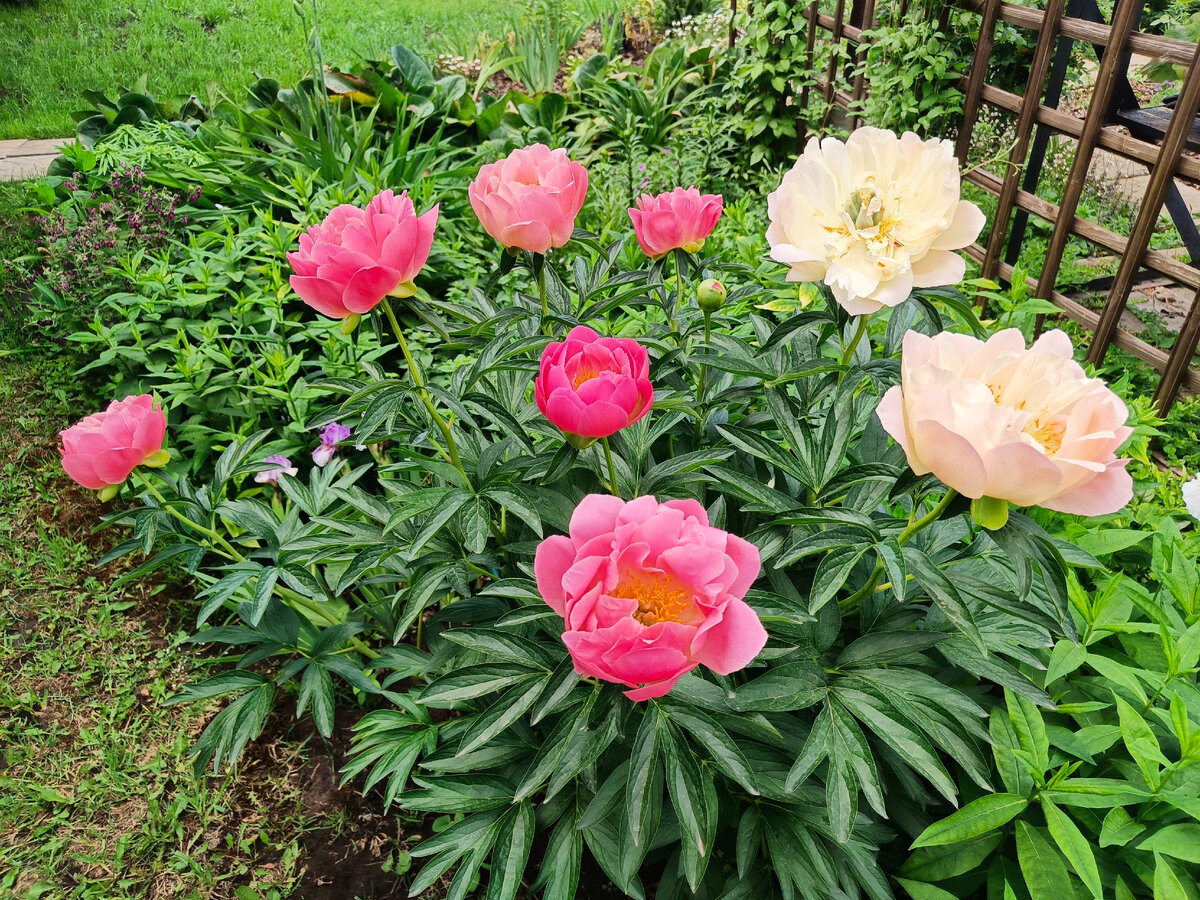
column 1156, row 138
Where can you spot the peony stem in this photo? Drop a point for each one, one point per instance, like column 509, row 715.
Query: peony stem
column 851, row 603
column 539, row 277
column 451, row 451
column 702, row 385
column 612, row 468
column 910, row 532
column 675, row 254
column 848, row 353
column 226, row 548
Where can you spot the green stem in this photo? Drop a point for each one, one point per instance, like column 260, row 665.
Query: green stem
column 851, row 603
column 702, row 386
column 612, row 468
column 675, row 254
column 227, row 549
column 848, row 353
column 539, row 277
column 910, row 532
column 451, row 451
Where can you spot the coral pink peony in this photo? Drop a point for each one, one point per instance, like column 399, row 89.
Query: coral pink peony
column 529, row 199
column 872, row 218
column 591, row 386
column 649, row 591
column 356, row 257
column 677, row 220
column 104, row 448
column 996, row 420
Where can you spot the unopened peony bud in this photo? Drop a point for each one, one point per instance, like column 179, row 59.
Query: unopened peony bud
column 710, row 295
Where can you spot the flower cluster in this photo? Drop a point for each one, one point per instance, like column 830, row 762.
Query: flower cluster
column 650, row 590
column 101, row 223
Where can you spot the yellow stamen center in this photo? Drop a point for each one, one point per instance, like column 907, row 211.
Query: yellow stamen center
column 583, row 375
column 659, row 598
column 1048, row 434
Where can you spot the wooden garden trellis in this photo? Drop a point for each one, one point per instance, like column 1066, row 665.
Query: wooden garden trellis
column 1160, row 144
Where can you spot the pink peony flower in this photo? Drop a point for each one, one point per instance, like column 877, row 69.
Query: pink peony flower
column 648, row 591
column 530, row 199
column 356, row 257
column 996, row 420
column 104, row 448
column 591, row 386
column 677, row 220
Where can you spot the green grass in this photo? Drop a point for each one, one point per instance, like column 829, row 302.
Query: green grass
column 53, row 50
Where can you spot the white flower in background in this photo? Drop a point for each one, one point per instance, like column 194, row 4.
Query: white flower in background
column 1191, row 497
column 873, row 217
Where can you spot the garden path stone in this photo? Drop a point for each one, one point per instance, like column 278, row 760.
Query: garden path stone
column 28, row 159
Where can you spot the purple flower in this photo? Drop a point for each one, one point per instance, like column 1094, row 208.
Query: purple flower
column 334, row 433
column 331, row 436
column 281, row 465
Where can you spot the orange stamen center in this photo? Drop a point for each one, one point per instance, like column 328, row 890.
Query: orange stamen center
column 583, row 375
column 1048, row 434
column 659, row 598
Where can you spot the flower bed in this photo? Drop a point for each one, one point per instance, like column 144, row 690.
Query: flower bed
column 622, row 547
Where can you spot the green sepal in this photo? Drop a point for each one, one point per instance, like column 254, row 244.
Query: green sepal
column 156, row 460
column 989, row 512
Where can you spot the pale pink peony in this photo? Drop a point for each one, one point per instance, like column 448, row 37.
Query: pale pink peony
column 356, row 257
column 104, row 448
column 677, row 220
column 591, row 386
column 873, row 217
column 529, row 199
column 996, row 420
column 648, row 591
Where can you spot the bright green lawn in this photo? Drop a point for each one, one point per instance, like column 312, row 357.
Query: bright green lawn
column 52, row 50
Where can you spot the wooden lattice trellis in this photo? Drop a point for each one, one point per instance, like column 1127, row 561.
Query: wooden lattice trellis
column 1162, row 137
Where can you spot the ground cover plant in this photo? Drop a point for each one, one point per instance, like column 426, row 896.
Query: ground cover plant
column 491, row 431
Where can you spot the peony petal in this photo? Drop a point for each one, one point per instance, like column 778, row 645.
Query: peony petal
column 554, row 556
column 732, row 643
column 1106, row 493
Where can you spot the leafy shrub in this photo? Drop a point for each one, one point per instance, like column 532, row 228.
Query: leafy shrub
column 914, row 69
column 1099, row 790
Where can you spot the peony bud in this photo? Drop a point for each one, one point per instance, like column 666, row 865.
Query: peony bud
column 711, row 295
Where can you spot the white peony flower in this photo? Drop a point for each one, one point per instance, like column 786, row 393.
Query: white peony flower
column 873, row 217
column 1191, row 497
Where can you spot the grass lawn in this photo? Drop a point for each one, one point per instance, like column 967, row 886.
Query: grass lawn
column 53, row 50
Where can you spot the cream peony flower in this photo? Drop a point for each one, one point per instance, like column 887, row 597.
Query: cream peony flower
column 992, row 419
column 872, row 218
column 1191, row 497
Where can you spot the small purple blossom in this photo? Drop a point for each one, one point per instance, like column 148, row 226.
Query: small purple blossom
column 281, row 465
column 331, row 435
column 334, row 433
